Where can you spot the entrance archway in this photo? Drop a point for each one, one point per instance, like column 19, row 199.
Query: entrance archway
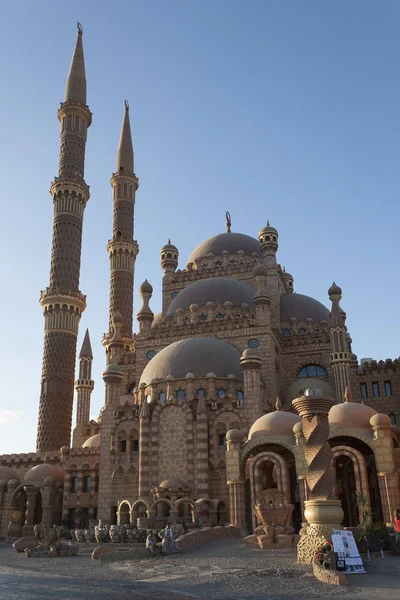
column 346, row 490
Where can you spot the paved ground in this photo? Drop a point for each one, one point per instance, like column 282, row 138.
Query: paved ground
column 225, row 570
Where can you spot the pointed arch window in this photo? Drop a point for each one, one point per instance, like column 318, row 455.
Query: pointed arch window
column 312, row 371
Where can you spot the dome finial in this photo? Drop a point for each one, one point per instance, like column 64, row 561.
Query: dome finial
column 278, row 403
column 347, row 395
column 228, row 222
column 268, row 224
column 169, row 240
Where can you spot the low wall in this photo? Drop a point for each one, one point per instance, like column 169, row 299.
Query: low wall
column 207, row 534
column 329, row 575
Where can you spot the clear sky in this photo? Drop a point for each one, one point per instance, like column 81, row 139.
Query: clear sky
column 284, row 110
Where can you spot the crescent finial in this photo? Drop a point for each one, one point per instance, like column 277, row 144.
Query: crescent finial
column 228, row 222
column 80, row 28
column 126, row 104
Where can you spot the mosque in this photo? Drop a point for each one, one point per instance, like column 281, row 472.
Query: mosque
column 197, row 416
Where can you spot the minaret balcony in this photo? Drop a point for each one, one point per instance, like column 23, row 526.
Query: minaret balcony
column 51, row 297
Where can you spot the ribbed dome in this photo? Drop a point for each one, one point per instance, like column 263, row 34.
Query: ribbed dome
column 39, row 473
column 351, row 415
column 92, row 442
column 213, row 289
column 274, row 424
column 302, row 308
column 6, row 473
column 232, row 242
column 194, row 355
column 173, row 483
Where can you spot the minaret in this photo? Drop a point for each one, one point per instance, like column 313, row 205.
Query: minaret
column 84, row 385
column 340, row 349
column 62, row 302
column 122, row 248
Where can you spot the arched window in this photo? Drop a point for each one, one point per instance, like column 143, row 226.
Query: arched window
column 180, row 394
column 285, row 332
column 312, row 371
column 240, row 396
column 393, row 418
column 150, row 354
column 201, row 393
column 221, row 393
column 302, row 331
column 162, row 397
column 219, row 316
column 74, row 484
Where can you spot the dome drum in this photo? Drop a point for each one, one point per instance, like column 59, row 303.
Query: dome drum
column 191, row 388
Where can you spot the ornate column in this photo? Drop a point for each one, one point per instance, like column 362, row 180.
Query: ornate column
column 31, row 493
column 321, row 512
column 144, row 458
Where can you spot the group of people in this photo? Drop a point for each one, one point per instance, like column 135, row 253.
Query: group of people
column 168, row 544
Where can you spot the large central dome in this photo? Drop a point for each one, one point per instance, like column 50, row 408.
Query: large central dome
column 213, row 289
column 232, row 242
column 199, row 356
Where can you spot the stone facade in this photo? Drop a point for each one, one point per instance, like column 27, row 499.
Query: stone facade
column 180, row 436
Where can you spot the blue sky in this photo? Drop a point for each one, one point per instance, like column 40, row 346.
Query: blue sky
column 273, row 109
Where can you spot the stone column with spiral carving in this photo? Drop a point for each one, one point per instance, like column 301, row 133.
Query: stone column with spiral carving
column 321, row 512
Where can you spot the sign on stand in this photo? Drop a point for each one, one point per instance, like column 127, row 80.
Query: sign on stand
column 345, row 546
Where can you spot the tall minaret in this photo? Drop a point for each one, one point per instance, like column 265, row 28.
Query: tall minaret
column 62, row 302
column 340, row 347
column 122, row 248
column 84, row 385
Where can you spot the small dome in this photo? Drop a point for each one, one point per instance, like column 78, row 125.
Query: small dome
column 268, row 229
column 169, row 246
column 117, row 317
column 260, row 270
column 49, row 481
column 302, row 308
column 194, row 355
column 146, row 288
column 157, row 319
column 38, row 474
column 335, row 290
column 250, row 353
column 234, row 435
column 351, row 415
column 6, row 474
column 380, row 420
column 213, row 289
column 229, row 242
column 173, row 483
column 287, row 275
column 111, row 369
column 298, row 427
column 274, row 424
column 92, row 442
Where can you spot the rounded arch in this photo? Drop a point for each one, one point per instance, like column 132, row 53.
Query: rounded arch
column 251, row 445
column 187, row 500
column 140, row 502
column 123, row 512
column 360, row 475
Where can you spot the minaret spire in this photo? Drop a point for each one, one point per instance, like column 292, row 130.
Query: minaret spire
column 122, row 248
column 125, row 148
column 84, row 387
column 75, row 89
column 62, row 301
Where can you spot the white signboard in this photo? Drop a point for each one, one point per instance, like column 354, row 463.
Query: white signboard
column 345, row 546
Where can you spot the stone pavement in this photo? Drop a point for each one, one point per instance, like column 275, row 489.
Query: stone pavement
column 225, row 570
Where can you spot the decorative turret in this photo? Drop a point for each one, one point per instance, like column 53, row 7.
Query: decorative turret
column 268, row 238
column 62, row 301
column 169, row 258
column 84, row 385
column 145, row 315
column 122, row 248
column 251, row 365
column 341, row 356
column 289, row 281
column 262, row 300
